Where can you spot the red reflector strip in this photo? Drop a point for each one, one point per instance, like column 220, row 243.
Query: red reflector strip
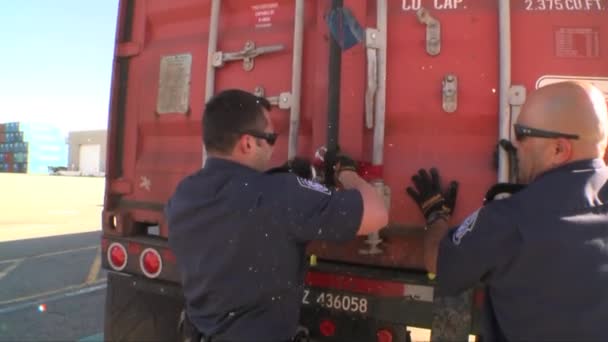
column 370, row 286
column 360, row 285
column 134, row 248
column 169, row 256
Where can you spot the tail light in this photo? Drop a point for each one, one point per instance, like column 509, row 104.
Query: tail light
column 117, row 256
column 384, row 335
column 327, row 328
column 150, row 263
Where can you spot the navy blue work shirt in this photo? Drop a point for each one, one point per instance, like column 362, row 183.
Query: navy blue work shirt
column 239, row 237
column 543, row 255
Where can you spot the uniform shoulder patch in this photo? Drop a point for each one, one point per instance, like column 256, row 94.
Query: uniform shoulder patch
column 312, row 185
column 465, row 227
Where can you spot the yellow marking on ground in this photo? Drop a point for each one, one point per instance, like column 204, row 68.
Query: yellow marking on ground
column 95, row 267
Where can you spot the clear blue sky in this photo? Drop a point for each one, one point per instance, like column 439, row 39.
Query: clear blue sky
column 56, row 61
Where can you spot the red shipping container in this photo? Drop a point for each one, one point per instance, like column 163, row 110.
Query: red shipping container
column 9, row 157
column 442, row 99
column 432, row 83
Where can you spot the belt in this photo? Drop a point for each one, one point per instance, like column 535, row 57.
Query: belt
column 191, row 334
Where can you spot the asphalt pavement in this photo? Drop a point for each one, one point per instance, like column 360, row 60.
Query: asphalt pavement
column 52, row 288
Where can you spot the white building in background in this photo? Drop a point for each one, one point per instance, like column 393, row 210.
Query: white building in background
column 87, row 152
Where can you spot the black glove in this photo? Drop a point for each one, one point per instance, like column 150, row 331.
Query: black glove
column 432, row 200
column 501, row 188
column 334, row 163
column 299, row 166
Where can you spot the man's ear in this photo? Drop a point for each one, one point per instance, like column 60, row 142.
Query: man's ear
column 243, row 144
column 563, row 151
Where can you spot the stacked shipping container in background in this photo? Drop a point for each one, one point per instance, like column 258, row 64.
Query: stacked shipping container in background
column 31, row 147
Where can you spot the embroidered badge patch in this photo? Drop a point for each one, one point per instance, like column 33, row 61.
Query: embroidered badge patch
column 312, row 185
column 465, row 227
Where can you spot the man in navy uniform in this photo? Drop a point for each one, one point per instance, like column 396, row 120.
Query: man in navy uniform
column 543, row 251
column 239, row 233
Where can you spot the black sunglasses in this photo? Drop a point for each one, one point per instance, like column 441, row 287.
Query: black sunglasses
column 524, row 131
column 271, row 138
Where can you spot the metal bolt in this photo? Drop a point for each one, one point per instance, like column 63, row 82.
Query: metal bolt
column 248, row 64
column 450, row 78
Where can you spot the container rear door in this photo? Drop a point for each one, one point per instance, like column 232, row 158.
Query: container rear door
column 424, row 127
column 427, row 127
column 157, row 102
column 159, row 91
column 161, row 72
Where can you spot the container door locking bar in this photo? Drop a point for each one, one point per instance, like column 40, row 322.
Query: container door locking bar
column 247, row 55
column 217, row 59
column 372, row 45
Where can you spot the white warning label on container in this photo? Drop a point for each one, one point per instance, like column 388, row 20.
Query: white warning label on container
column 600, row 82
column 577, row 42
column 174, row 84
column 263, row 14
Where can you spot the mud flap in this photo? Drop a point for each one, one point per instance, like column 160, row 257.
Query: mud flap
column 452, row 318
column 139, row 309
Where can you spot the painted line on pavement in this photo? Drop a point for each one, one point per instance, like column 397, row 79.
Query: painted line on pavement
column 92, row 338
column 68, row 291
column 95, row 267
column 9, row 269
column 49, row 254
